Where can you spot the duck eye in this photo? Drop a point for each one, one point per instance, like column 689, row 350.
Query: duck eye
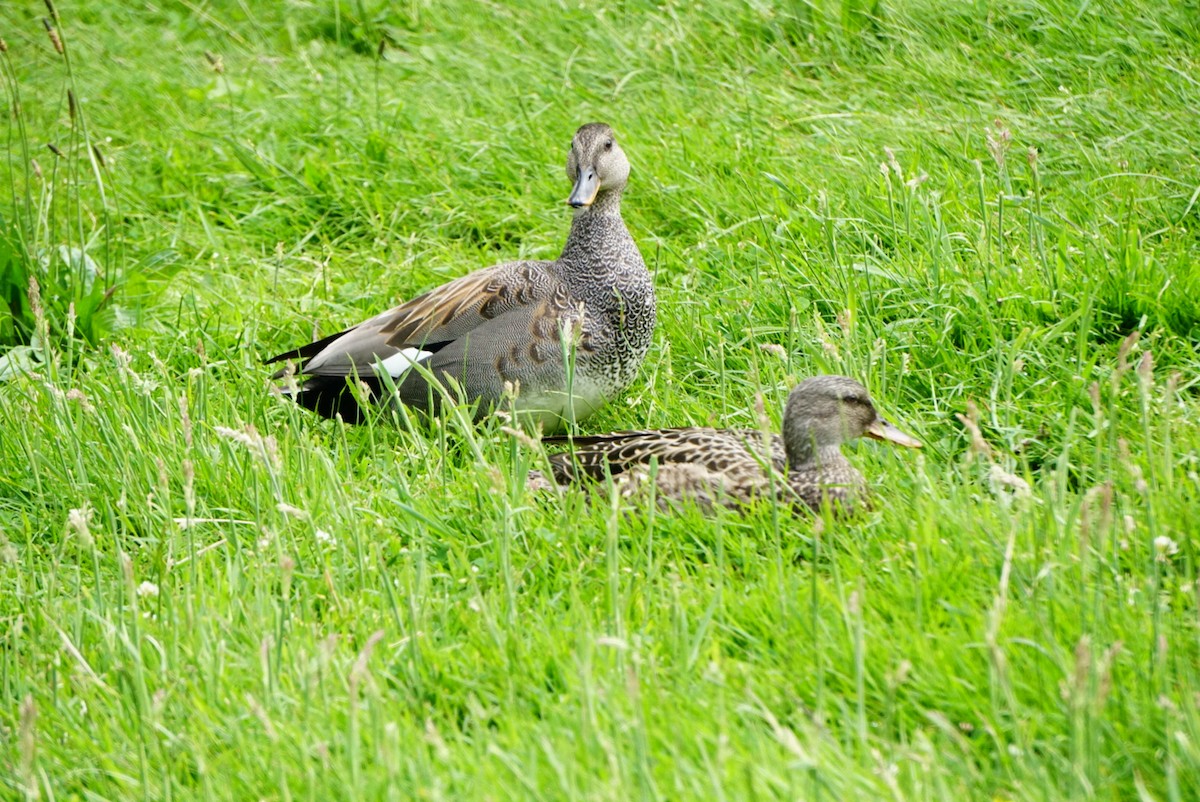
column 608, row 144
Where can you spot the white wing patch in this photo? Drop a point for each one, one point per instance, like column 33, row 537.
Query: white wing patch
column 400, row 363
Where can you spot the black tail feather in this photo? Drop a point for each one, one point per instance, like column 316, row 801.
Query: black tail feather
column 331, row 396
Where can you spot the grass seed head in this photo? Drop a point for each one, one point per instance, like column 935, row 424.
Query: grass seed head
column 917, row 180
column 1105, row 668
column 998, row 140
column 79, row 522
column 775, row 349
column 1123, row 357
column 35, row 299
column 54, row 38
column 185, row 420
column 970, row 421
column 189, row 486
column 1145, row 368
column 894, row 164
column 290, row 511
column 217, row 63
column 521, row 437
column 79, row 397
column 1083, row 663
column 27, row 737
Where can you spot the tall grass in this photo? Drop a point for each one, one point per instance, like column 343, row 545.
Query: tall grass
column 987, row 214
column 62, row 240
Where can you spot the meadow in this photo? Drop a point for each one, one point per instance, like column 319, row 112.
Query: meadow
column 988, row 212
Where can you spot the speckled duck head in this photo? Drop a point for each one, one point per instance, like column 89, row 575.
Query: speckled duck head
column 597, row 167
column 825, row 411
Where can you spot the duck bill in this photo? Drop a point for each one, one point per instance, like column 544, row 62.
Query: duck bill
column 883, row 430
column 585, row 189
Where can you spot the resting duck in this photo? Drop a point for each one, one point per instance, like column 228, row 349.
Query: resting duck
column 729, row 467
column 508, row 328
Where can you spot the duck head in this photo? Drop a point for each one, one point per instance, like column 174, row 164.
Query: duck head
column 825, row 411
column 596, row 165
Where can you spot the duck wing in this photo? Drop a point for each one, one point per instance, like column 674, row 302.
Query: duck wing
column 428, row 322
column 502, row 306
column 716, row 450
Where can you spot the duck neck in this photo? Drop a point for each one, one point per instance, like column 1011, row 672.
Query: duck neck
column 606, row 203
column 806, row 455
column 597, row 225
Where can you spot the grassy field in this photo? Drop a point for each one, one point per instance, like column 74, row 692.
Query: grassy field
column 987, row 212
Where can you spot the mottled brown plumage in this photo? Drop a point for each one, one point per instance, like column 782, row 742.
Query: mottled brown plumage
column 802, row 468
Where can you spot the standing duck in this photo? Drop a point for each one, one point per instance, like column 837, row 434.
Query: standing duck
column 730, row 467
column 565, row 335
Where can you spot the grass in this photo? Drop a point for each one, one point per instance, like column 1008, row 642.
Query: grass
column 986, row 212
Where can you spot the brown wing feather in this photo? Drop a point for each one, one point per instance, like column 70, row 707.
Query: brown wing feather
column 715, row 449
column 431, row 320
column 451, row 310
